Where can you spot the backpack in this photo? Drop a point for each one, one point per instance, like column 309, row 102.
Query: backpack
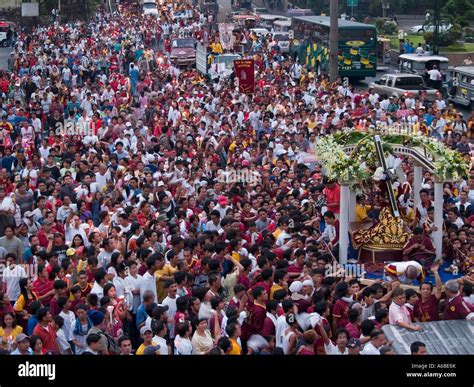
column 112, row 345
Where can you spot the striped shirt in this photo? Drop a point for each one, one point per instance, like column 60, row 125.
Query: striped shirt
column 41, row 287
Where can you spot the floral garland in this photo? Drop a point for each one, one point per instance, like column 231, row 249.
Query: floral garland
column 363, row 162
column 449, row 164
column 337, row 164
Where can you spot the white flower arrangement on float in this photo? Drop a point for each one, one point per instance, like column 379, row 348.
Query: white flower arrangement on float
column 360, row 165
column 338, row 165
column 392, row 164
column 449, row 163
column 379, row 174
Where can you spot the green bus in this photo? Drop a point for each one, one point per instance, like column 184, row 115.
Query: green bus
column 357, row 54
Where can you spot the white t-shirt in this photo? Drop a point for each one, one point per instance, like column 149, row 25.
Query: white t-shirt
column 61, row 339
column 104, row 258
column 280, row 327
column 69, row 319
column 435, row 75
column 123, row 289
column 370, row 349
column 101, row 180
column 171, row 303
column 281, row 238
column 97, row 289
column 148, row 283
column 134, row 283
column 182, row 346
column 332, row 349
column 12, row 278
column 162, row 343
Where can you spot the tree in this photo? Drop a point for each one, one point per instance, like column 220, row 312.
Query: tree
column 459, row 12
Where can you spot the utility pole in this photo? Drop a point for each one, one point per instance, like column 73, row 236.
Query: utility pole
column 333, row 39
column 437, row 17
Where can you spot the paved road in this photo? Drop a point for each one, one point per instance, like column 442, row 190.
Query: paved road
column 4, row 54
column 225, row 6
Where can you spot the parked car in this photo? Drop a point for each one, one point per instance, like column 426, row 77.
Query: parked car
column 4, row 26
column 461, row 86
column 183, row 51
column 283, row 39
column 398, row 85
column 150, row 8
column 420, row 64
column 422, row 28
column 299, row 12
column 259, row 10
column 260, row 31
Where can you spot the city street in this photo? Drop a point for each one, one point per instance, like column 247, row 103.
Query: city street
column 4, row 54
column 169, row 186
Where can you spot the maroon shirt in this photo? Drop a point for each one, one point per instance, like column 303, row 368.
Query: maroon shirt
column 53, row 307
column 244, row 280
column 234, row 304
column 428, row 310
column 142, row 269
column 264, row 285
column 341, row 311
column 254, row 323
column 305, row 351
column 354, row 330
column 457, row 309
column 295, row 269
column 48, row 337
column 419, row 254
column 268, row 327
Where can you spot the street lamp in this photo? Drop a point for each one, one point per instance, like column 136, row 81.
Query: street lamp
column 437, row 16
column 333, row 39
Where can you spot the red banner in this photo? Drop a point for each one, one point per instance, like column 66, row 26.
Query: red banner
column 245, row 72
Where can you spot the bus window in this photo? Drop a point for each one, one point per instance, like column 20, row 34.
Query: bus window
column 365, row 35
column 444, row 66
column 420, row 66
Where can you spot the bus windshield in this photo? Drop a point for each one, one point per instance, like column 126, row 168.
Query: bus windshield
column 348, row 36
column 357, row 46
column 182, row 43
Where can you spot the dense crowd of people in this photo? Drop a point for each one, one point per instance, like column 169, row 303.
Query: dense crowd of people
column 147, row 210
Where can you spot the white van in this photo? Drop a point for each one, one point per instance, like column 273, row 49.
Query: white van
column 283, row 39
column 150, row 8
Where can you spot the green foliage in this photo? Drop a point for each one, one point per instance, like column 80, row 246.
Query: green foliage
column 469, row 35
column 459, row 12
column 445, row 38
column 385, row 27
column 70, row 9
column 390, row 28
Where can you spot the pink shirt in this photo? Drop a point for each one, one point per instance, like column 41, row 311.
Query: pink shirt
column 398, row 313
